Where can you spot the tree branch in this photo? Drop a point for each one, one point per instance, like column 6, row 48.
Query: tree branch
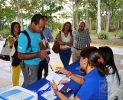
column 93, row 4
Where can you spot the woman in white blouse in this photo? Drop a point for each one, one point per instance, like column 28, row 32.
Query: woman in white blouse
column 65, row 39
column 113, row 79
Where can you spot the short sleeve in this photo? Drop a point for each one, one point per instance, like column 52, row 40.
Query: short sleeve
column 88, row 37
column 10, row 36
column 74, row 33
column 86, row 91
column 22, row 43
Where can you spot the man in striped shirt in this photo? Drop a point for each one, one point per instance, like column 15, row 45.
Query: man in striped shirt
column 81, row 40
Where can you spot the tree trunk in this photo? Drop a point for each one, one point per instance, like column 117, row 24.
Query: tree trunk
column 73, row 16
column 76, row 16
column 87, row 22
column 90, row 28
column 108, row 17
column 98, row 19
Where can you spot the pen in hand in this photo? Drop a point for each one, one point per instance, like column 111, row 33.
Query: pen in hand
column 49, row 64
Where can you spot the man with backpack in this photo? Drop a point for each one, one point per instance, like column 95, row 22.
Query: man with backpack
column 31, row 57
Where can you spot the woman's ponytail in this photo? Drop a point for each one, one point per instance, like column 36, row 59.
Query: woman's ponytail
column 102, row 69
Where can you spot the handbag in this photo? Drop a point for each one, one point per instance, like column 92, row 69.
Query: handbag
column 56, row 46
column 6, row 51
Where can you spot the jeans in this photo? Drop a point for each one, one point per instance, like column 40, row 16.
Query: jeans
column 65, row 56
column 42, row 65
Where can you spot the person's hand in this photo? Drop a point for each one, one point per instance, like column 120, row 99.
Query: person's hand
column 62, row 70
column 54, row 86
column 48, row 58
column 42, row 54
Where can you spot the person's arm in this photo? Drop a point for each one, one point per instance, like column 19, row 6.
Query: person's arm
column 88, row 39
column 63, row 97
column 11, row 41
column 40, row 54
column 59, row 39
column 77, row 78
column 50, row 36
column 42, row 47
column 88, row 45
column 70, row 43
column 27, row 56
column 22, row 49
column 59, row 94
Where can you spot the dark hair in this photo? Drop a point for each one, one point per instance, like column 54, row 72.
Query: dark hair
column 12, row 28
column 45, row 17
column 70, row 30
column 93, row 54
column 83, row 23
column 36, row 18
column 108, row 57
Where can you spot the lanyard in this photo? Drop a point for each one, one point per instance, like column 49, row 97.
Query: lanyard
column 43, row 91
column 49, row 63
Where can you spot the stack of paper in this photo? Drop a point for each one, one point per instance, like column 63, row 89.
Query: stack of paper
column 18, row 93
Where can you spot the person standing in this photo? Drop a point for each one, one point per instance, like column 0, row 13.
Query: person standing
column 43, row 64
column 47, row 32
column 65, row 40
column 81, row 39
column 32, row 56
column 15, row 30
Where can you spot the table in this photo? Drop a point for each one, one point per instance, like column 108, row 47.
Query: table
column 71, row 84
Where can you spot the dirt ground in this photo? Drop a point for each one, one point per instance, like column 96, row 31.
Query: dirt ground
column 111, row 41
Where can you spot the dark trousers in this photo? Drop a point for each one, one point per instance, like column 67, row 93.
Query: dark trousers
column 42, row 65
column 65, row 56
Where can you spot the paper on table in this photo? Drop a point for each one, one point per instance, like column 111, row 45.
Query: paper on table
column 18, row 93
column 19, row 96
column 46, row 86
column 49, row 95
column 64, row 77
column 53, row 76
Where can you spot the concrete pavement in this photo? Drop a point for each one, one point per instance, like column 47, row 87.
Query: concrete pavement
column 5, row 66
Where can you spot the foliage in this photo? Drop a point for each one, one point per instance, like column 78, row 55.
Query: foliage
column 54, row 8
column 103, row 35
column 120, row 34
column 5, row 33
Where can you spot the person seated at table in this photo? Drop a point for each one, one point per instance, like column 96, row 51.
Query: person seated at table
column 65, row 40
column 94, row 83
column 113, row 76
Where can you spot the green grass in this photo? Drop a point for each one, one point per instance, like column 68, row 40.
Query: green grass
column 93, row 33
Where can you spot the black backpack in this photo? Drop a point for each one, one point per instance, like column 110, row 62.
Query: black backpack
column 15, row 60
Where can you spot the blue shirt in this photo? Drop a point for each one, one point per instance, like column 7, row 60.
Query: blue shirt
column 94, row 87
column 47, row 33
column 23, row 42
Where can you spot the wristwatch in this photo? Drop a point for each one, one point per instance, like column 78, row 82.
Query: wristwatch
column 64, row 43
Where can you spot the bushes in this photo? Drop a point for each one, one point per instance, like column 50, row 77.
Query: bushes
column 104, row 35
column 5, row 33
column 120, row 34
